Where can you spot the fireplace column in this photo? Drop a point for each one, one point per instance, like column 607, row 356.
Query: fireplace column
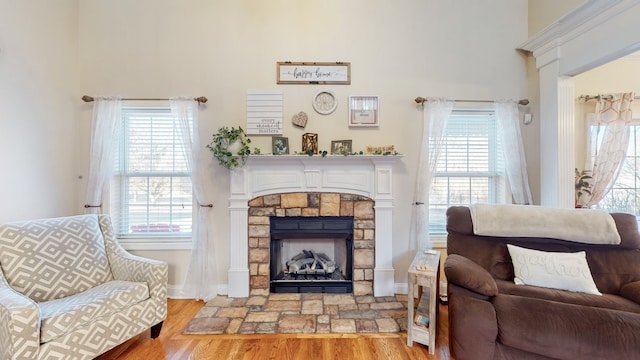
column 383, row 273
column 238, row 274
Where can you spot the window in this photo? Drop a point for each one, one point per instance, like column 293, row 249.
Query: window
column 151, row 194
column 470, row 166
column 624, row 195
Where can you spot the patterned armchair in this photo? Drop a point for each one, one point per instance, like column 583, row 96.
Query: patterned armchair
column 68, row 290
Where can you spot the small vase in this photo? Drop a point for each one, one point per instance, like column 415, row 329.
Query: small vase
column 235, row 147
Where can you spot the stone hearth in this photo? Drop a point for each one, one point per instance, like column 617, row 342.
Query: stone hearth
column 332, row 178
column 301, row 314
column 312, row 205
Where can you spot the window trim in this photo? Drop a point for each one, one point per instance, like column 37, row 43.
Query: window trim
column 439, row 238
column 171, row 243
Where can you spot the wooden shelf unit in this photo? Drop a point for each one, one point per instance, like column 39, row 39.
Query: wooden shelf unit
column 424, row 276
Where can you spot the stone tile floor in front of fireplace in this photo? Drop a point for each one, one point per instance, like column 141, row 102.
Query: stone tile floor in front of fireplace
column 301, row 313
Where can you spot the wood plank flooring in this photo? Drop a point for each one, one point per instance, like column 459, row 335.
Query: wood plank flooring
column 173, row 345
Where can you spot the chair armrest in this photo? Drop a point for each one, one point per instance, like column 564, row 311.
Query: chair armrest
column 631, row 291
column 19, row 324
column 128, row 267
column 469, row 275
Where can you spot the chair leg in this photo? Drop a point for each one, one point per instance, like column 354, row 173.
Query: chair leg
column 155, row 330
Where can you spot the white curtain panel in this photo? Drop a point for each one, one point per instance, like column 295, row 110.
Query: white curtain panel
column 105, row 131
column 202, row 277
column 435, row 115
column 507, row 118
column 612, row 119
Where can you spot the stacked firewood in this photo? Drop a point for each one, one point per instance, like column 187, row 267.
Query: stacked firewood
column 310, row 262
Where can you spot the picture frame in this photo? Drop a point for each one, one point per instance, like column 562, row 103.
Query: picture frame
column 280, row 145
column 341, row 147
column 338, row 73
column 364, row 111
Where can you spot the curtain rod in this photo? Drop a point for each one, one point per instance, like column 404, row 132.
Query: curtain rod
column 522, row 102
column 594, row 97
column 200, row 100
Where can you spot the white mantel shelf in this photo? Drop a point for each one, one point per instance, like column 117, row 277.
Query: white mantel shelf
column 292, row 173
column 366, row 175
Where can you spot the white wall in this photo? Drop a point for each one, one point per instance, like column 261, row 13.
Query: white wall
column 38, row 102
column 220, row 49
column 543, row 13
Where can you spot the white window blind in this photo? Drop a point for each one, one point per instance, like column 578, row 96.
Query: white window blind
column 470, row 167
column 151, row 191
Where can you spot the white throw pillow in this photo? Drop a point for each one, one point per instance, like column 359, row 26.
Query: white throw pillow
column 565, row 271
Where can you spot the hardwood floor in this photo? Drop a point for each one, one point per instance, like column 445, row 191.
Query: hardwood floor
column 173, row 345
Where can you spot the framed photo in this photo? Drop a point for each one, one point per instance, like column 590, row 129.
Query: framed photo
column 363, row 111
column 280, row 145
column 340, row 147
column 314, row 73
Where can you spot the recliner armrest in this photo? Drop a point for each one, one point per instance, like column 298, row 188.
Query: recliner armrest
column 469, row 275
column 631, row 291
column 19, row 324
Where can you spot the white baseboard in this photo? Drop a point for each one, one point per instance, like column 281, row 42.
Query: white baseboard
column 175, row 291
column 402, row 288
column 223, row 289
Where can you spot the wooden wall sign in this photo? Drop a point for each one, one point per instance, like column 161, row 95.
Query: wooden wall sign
column 264, row 112
column 314, row 73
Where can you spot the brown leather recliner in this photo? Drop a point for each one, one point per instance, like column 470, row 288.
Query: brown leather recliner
column 492, row 318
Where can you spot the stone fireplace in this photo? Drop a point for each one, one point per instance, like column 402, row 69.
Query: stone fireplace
column 302, row 186
column 357, row 266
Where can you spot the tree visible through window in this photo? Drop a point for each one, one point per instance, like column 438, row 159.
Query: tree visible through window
column 151, row 190
column 470, row 167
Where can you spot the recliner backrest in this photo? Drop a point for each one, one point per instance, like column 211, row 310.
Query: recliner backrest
column 611, row 265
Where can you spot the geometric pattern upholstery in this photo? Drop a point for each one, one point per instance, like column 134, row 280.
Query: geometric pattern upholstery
column 91, row 341
column 53, row 258
column 61, row 316
column 91, row 321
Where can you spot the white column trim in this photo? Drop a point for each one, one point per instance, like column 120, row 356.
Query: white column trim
column 566, row 142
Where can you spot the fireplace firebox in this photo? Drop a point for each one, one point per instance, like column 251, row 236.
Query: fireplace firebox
column 311, row 254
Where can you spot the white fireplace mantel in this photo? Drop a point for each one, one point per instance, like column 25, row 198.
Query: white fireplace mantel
column 367, row 175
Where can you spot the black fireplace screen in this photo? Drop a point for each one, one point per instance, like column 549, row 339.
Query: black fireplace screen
column 311, row 254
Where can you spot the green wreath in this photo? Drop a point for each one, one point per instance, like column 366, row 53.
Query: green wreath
column 230, row 147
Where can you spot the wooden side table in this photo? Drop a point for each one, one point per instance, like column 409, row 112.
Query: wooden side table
column 422, row 322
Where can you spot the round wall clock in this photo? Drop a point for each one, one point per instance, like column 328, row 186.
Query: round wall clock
column 324, row 102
